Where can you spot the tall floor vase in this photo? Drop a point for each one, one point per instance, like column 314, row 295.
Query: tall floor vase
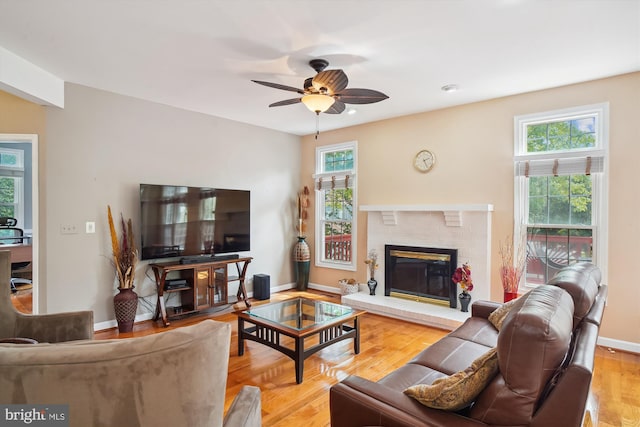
column 125, row 304
column 302, row 260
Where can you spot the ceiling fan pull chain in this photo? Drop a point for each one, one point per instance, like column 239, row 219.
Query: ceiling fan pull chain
column 317, row 124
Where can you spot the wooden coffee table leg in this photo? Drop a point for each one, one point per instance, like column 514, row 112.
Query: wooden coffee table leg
column 240, row 337
column 356, row 339
column 299, row 359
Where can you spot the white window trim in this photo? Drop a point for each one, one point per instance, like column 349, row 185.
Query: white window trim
column 600, row 181
column 319, row 249
column 17, row 173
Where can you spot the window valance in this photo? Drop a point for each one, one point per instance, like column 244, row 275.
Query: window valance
column 564, row 166
column 337, row 180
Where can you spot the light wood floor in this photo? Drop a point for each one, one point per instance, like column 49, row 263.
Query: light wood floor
column 386, row 344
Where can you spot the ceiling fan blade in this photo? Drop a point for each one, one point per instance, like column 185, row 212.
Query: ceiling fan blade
column 337, row 108
column 279, row 86
column 285, row 102
column 333, row 80
column 361, row 96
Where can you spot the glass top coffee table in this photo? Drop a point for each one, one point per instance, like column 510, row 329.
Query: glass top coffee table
column 300, row 319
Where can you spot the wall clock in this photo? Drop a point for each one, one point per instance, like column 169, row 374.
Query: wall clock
column 424, row 161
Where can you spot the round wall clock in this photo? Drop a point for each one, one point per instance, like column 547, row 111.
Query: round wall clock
column 424, row 161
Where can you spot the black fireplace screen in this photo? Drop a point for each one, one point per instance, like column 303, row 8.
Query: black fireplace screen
column 421, row 273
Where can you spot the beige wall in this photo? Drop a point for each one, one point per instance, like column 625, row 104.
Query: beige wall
column 474, row 148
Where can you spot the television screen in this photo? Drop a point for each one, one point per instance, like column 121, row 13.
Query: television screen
column 178, row 221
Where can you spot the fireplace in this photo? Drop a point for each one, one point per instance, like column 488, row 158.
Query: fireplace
column 465, row 227
column 421, row 273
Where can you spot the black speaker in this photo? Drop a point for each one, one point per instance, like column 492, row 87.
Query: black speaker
column 261, row 289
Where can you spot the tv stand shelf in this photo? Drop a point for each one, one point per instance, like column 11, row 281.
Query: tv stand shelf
column 207, row 285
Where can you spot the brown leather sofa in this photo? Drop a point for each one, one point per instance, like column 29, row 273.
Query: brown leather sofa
column 545, row 348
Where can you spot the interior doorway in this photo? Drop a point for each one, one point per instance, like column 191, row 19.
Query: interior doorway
column 29, row 204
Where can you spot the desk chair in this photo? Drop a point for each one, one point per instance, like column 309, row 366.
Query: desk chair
column 10, row 234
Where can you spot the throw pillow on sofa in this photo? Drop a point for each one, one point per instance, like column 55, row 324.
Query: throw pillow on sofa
column 457, row 391
column 498, row 315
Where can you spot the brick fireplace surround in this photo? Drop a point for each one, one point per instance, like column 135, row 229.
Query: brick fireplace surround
column 466, row 228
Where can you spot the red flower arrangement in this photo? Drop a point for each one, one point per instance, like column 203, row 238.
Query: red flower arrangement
column 462, row 276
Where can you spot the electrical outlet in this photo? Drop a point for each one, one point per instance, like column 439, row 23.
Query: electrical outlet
column 68, row 229
column 90, row 227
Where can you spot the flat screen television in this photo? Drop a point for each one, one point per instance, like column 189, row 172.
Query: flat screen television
column 189, row 222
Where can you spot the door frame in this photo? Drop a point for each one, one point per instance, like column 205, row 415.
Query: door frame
column 19, row 138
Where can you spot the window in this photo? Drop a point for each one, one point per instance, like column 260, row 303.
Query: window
column 12, row 184
column 335, row 185
column 560, row 203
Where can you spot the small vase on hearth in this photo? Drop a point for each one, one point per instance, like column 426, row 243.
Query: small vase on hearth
column 465, row 299
column 372, row 284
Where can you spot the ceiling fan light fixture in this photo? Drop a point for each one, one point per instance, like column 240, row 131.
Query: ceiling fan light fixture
column 318, row 103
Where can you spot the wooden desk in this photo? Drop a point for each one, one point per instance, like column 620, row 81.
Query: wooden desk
column 19, row 252
column 203, row 285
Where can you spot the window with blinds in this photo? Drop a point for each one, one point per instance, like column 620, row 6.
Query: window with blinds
column 335, row 185
column 560, row 171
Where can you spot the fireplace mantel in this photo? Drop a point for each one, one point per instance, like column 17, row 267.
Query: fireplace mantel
column 452, row 213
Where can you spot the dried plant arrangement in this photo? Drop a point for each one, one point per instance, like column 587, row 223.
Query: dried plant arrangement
column 513, row 259
column 303, row 215
column 125, row 255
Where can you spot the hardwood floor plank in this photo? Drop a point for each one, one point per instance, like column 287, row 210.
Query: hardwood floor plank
column 616, row 387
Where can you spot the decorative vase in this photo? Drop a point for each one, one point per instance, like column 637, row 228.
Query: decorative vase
column 302, row 258
column 125, row 304
column 508, row 296
column 372, row 284
column 465, row 299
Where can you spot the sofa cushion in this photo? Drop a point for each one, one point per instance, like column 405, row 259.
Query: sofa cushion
column 477, row 330
column 451, row 354
column 408, row 375
column 581, row 280
column 499, row 314
column 460, row 389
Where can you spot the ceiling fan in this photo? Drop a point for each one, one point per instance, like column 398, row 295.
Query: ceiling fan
column 327, row 91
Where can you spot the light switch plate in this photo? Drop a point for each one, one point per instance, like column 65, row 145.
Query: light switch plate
column 90, row 227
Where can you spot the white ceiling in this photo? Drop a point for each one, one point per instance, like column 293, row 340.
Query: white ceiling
column 200, row 55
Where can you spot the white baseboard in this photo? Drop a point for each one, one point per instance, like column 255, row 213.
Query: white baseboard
column 288, row 286
column 631, row 347
column 323, row 288
column 108, row 324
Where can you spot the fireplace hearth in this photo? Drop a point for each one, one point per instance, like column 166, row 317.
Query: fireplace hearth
column 421, row 274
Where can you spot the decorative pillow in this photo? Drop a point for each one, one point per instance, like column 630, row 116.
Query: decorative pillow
column 457, row 391
column 498, row 315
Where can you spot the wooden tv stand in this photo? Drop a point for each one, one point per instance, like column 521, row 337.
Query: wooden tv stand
column 203, row 285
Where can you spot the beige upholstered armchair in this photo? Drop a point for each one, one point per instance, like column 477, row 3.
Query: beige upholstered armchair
column 51, row 328
column 174, row 378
